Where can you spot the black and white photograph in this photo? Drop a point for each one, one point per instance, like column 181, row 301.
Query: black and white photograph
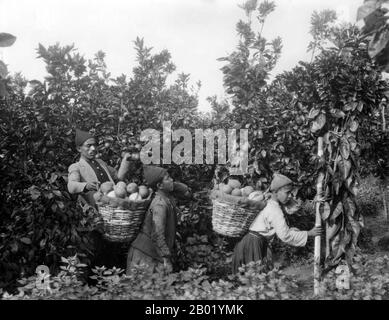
column 194, row 156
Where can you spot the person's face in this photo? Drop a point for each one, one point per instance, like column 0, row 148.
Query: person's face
column 284, row 194
column 166, row 183
column 88, row 148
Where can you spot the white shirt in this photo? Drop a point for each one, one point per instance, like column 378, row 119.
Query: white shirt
column 271, row 221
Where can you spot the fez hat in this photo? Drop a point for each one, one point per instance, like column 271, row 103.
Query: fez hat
column 82, row 136
column 279, row 181
column 153, row 174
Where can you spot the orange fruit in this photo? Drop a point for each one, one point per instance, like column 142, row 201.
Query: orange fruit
column 106, row 187
column 144, row 192
column 226, row 188
column 247, row 191
column 234, row 184
column 236, row 192
column 256, row 195
column 135, row 197
column 121, row 184
column 132, row 188
column 97, row 196
column 111, row 194
column 120, row 192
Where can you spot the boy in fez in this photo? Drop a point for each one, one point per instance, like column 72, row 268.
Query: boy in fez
column 155, row 244
column 84, row 179
column 254, row 246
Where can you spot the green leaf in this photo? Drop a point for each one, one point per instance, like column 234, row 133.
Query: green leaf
column 3, row 90
column 3, row 70
column 25, row 240
column 338, row 210
column 366, row 9
column 353, row 143
column 344, row 148
column 350, row 106
column 378, row 43
column 336, row 113
column 64, row 260
column 336, row 186
column 313, row 113
column 6, row 39
column 60, row 205
column 349, row 207
column 344, row 168
column 42, row 243
column 349, row 181
column 332, row 230
column 318, row 123
column 54, row 207
column 57, row 193
column 34, row 192
column 354, row 126
column 14, row 247
column 53, row 178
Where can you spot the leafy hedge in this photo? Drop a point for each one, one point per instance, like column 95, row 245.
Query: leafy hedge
column 370, row 281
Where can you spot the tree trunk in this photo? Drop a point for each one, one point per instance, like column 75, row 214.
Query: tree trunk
column 319, row 192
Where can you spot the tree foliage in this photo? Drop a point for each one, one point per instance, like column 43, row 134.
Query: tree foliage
column 375, row 16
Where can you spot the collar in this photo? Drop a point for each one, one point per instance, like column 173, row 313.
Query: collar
column 88, row 161
column 165, row 197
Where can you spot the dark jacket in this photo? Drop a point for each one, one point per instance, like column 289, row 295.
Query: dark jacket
column 157, row 236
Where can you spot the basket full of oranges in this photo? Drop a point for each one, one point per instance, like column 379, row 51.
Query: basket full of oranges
column 122, row 208
column 235, row 207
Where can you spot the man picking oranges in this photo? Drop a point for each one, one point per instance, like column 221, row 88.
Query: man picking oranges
column 84, row 179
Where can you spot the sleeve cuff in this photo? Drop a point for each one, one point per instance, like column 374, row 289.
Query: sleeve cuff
column 84, row 188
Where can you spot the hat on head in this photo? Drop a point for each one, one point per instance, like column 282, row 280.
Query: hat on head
column 279, row 181
column 82, row 136
column 153, row 174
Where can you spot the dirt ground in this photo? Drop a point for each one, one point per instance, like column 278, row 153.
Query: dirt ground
column 379, row 228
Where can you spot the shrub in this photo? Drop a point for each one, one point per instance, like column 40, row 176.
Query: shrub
column 369, row 199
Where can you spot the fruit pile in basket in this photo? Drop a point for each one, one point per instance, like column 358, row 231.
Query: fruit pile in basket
column 235, row 205
column 121, row 194
column 232, row 190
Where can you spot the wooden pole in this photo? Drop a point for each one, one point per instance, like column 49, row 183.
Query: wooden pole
column 319, row 192
column 383, row 191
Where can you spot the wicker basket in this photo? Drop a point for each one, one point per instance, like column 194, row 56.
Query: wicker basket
column 122, row 225
column 229, row 217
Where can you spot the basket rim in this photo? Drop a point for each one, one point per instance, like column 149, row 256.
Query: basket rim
column 233, row 205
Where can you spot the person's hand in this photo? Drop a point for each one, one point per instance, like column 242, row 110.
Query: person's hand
column 127, row 156
column 320, row 199
column 92, row 186
column 168, row 265
column 315, row 231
